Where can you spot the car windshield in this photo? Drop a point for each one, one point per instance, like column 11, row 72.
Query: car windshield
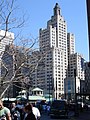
column 58, row 104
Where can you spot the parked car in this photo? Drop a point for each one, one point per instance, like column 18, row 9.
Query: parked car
column 58, row 109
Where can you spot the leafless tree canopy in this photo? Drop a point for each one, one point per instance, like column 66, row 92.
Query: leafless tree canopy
column 13, row 57
column 8, row 19
column 17, row 62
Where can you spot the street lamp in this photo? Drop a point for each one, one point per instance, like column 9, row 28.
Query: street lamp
column 76, row 112
column 75, row 84
column 56, row 89
column 49, row 90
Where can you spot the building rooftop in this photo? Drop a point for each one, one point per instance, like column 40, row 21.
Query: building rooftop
column 37, row 89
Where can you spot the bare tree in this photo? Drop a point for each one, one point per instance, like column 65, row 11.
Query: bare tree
column 17, row 63
column 15, row 67
column 8, row 62
column 22, row 62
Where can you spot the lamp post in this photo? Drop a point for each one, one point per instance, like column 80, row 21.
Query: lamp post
column 76, row 112
column 49, row 89
column 75, row 85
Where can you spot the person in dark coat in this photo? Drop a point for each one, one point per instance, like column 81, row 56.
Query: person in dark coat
column 29, row 113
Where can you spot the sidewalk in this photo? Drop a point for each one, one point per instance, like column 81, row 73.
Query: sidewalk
column 85, row 115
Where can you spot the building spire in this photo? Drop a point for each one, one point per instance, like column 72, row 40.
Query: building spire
column 56, row 9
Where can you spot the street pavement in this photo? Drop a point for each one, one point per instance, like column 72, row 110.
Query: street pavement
column 84, row 115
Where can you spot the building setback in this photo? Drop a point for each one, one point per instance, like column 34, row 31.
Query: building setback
column 76, row 63
column 60, row 59
column 53, row 41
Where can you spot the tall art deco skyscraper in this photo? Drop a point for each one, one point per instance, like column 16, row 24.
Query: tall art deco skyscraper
column 53, row 42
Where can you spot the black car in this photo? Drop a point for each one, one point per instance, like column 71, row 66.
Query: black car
column 58, row 109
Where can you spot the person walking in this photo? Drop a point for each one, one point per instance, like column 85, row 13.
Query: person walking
column 29, row 113
column 12, row 108
column 4, row 112
column 35, row 110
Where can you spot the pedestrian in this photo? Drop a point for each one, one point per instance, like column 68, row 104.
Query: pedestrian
column 36, row 111
column 4, row 112
column 12, row 108
column 48, row 109
column 29, row 113
column 20, row 106
column 16, row 114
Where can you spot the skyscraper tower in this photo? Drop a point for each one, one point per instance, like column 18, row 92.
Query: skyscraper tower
column 53, row 41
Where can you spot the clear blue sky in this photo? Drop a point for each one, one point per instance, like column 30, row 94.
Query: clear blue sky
column 38, row 12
